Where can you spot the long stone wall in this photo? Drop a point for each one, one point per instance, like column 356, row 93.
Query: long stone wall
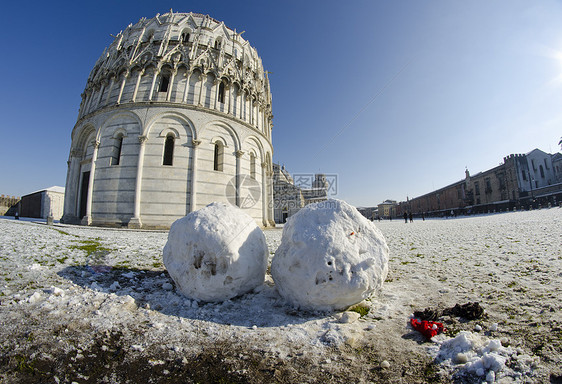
column 8, row 205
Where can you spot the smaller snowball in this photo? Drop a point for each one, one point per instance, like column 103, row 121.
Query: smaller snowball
column 494, row 327
column 491, row 377
column 477, row 328
column 385, row 364
column 480, row 372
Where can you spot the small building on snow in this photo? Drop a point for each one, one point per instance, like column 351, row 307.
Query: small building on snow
column 43, row 203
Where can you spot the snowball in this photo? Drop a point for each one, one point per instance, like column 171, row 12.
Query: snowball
column 385, row 364
column 216, row 253
column 330, row 257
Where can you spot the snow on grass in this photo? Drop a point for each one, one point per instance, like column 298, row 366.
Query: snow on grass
column 70, row 289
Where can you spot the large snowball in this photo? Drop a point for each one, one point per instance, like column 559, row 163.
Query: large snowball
column 216, row 253
column 330, row 257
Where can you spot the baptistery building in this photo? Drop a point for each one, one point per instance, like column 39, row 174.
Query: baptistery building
column 176, row 114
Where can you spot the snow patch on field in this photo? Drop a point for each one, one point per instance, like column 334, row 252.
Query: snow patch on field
column 70, row 290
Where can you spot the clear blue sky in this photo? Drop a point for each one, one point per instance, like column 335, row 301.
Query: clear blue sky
column 395, row 98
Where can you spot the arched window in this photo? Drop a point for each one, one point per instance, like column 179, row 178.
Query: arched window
column 221, row 92
column 169, row 150
column 218, row 156
column 185, row 37
column 117, row 147
column 542, row 171
column 252, row 166
column 164, row 83
column 218, row 44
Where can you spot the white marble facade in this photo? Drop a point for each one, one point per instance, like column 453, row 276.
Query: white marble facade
column 176, row 114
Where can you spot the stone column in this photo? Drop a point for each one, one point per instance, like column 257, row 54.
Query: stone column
column 171, row 85
column 110, row 89
column 87, row 103
column 104, row 85
column 229, row 99
column 270, row 200
column 102, row 88
column 141, row 72
column 82, row 105
column 71, row 191
column 263, row 122
column 193, row 192
column 135, row 221
column 216, row 84
column 186, row 89
column 156, row 72
column 125, row 76
column 251, row 110
column 255, row 111
column 87, row 220
column 264, row 194
column 201, row 77
column 245, row 118
column 239, row 154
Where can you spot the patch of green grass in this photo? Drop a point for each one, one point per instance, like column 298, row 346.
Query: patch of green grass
column 63, row 232
column 362, row 310
column 23, row 365
column 511, row 284
column 90, row 246
column 407, row 262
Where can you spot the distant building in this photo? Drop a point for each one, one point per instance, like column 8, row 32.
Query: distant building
column 43, row 203
column 318, row 192
column 289, row 198
column 522, row 180
column 370, row 213
column 387, row 209
column 557, row 166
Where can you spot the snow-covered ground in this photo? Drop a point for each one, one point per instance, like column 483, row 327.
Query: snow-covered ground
column 96, row 305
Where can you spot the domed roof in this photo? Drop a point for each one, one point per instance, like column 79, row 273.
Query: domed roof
column 183, row 40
